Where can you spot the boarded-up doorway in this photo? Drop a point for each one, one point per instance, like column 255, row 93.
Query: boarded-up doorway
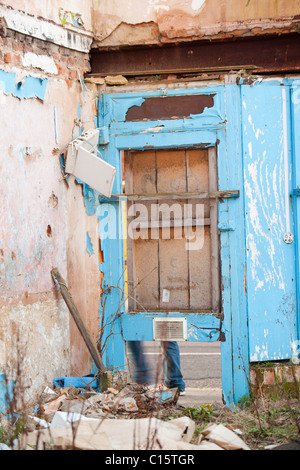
column 172, row 240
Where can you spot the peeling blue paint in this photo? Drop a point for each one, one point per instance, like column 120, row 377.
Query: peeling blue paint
column 90, row 199
column 6, row 392
column 257, row 266
column 79, row 111
column 139, row 327
column 295, row 113
column 63, row 166
column 30, row 87
column 269, row 216
column 205, row 130
column 89, row 194
column 89, row 245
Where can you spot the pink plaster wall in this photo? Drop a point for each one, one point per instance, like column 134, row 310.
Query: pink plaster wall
column 153, row 21
column 33, row 226
column 49, row 9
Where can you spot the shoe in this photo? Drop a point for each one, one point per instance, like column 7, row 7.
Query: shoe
column 157, row 388
column 182, row 393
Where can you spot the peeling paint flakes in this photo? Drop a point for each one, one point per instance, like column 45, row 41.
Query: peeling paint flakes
column 41, row 61
column 275, row 189
column 250, row 149
column 192, row 333
column 260, row 354
column 259, row 285
column 255, row 263
column 255, row 195
column 257, row 132
column 153, row 129
column 157, row 5
column 89, row 245
column 252, row 205
column 30, row 87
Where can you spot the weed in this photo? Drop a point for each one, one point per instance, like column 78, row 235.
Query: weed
column 200, row 413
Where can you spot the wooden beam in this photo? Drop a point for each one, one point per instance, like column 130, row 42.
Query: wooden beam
column 178, row 196
column 78, row 320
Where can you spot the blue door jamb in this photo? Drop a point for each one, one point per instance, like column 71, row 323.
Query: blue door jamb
column 295, row 124
column 219, row 126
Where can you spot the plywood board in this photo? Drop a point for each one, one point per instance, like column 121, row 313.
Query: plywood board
column 166, row 271
column 174, row 274
column 200, row 275
column 146, row 288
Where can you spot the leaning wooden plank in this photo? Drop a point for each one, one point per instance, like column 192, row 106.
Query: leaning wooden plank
column 78, row 320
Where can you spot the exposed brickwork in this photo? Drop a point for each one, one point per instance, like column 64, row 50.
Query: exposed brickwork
column 14, row 45
column 274, row 378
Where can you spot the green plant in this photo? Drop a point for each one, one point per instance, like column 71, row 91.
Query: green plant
column 5, row 435
column 200, row 413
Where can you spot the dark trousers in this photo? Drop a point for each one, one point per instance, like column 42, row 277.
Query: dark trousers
column 173, row 375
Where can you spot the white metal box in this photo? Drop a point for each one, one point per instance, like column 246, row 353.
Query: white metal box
column 83, row 163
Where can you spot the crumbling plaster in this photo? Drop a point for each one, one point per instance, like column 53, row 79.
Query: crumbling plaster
column 158, row 21
column 34, row 344
column 50, row 9
column 44, row 224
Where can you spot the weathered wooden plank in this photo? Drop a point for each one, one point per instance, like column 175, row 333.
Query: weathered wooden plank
column 78, row 320
column 215, row 245
column 145, row 284
column 183, row 222
column 201, row 274
column 178, row 196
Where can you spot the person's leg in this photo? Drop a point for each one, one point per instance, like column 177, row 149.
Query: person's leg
column 141, row 366
column 174, row 376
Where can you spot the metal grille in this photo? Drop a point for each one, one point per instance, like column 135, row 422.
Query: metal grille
column 170, row 329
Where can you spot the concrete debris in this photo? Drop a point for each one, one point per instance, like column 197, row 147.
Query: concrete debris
column 85, row 419
column 115, row 80
column 223, row 437
column 53, row 405
column 74, row 431
column 94, row 80
column 132, row 398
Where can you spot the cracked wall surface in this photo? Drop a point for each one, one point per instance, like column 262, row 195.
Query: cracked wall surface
column 51, row 9
column 43, row 217
column 162, row 21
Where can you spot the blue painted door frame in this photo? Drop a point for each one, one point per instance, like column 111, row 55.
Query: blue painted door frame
column 270, row 124
column 218, row 126
column 295, row 132
column 256, row 131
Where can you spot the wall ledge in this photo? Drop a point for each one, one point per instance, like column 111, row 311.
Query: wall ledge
column 70, row 37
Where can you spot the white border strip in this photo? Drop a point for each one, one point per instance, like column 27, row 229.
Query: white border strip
column 286, row 159
column 47, row 31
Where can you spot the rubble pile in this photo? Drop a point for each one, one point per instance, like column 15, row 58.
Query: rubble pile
column 131, row 400
column 131, row 418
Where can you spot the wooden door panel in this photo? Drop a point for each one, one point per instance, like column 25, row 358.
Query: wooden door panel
column 164, row 270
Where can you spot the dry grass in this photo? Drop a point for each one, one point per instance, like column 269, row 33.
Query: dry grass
column 264, row 423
